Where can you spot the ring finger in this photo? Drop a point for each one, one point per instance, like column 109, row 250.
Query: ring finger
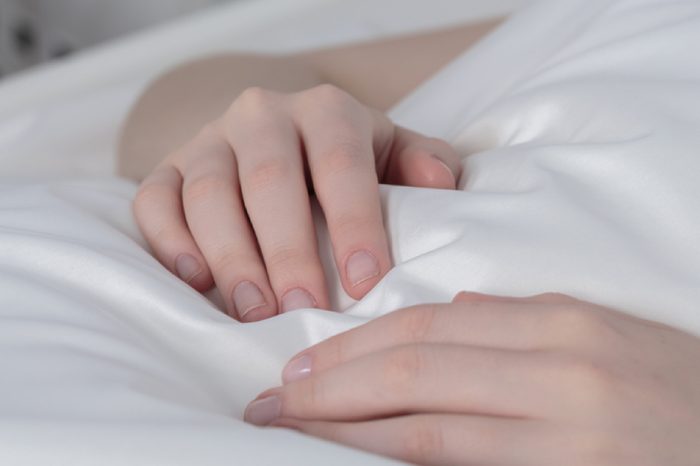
column 215, row 215
column 274, row 190
column 418, row 378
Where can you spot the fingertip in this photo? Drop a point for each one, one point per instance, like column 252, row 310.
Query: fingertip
column 423, row 161
column 441, row 175
column 361, row 266
column 362, row 272
column 256, row 315
column 425, row 169
column 250, row 303
column 202, row 282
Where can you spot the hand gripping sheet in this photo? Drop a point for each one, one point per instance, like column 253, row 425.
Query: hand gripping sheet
column 579, row 125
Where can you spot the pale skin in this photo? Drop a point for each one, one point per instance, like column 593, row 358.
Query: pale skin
column 229, row 149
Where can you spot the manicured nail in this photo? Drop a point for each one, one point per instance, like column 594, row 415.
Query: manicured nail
column 187, row 267
column 246, row 297
column 297, row 369
column 297, row 298
column 446, row 167
column 361, row 266
column 262, row 412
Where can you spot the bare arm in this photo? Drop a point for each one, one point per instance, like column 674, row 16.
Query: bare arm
column 378, row 73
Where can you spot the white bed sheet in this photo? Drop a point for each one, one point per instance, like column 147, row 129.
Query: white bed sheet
column 578, row 124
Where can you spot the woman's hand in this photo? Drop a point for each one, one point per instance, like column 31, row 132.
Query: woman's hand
column 232, row 205
column 546, row 380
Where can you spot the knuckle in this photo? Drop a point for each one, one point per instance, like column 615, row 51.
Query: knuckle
column 331, row 94
column 209, row 131
column 416, row 323
column 254, row 97
column 423, row 441
column 352, row 225
column 309, row 398
column 336, row 353
column 204, row 187
column 224, row 259
column 403, row 368
column 346, row 155
column 283, row 257
column 150, row 194
column 592, row 384
column 266, row 175
column 577, row 324
column 165, row 239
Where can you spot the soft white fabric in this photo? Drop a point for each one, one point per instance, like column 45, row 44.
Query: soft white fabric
column 580, row 123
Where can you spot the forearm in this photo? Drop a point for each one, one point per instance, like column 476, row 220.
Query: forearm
column 377, row 73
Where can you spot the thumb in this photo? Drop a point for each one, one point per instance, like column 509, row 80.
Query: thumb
column 421, row 161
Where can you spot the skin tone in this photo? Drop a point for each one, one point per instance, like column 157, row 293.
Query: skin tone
column 377, row 73
column 233, row 203
column 546, row 380
column 227, row 175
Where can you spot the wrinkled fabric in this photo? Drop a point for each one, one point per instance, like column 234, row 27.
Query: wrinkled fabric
column 579, row 127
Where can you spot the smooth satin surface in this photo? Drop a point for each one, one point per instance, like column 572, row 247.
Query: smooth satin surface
column 579, row 125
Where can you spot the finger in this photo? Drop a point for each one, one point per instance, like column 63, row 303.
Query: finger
column 494, row 324
column 421, row 161
column 420, row 378
column 276, row 198
column 339, row 145
column 159, row 214
column 217, row 219
column 439, row 439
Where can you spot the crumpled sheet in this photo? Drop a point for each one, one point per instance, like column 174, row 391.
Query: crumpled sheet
column 579, row 125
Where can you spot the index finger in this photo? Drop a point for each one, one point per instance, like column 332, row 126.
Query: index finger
column 472, row 319
column 338, row 137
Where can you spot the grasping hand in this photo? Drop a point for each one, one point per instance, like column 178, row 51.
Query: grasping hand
column 547, row 380
column 232, row 205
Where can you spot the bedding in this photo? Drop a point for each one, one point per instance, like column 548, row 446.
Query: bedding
column 578, row 125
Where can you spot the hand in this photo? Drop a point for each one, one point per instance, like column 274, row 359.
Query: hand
column 232, row 205
column 546, row 380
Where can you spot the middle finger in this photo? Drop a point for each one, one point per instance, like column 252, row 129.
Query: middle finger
column 274, row 191
column 338, row 136
column 420, row 378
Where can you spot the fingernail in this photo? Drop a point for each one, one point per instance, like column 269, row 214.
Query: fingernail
column 297, row 369
column 297, row 298
column 246, row 297
column 262, row 412
column 187, row 267
column 361, row 266
column 446, row 167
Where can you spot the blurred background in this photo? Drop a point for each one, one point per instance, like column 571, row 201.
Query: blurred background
column 34, row 31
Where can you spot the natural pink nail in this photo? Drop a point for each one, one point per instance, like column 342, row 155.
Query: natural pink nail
column 264, row 411
column 187, row 267
column 297, row 298
column 246, row 297
column 448, row 170
column 360, row 267
column 297, row 369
